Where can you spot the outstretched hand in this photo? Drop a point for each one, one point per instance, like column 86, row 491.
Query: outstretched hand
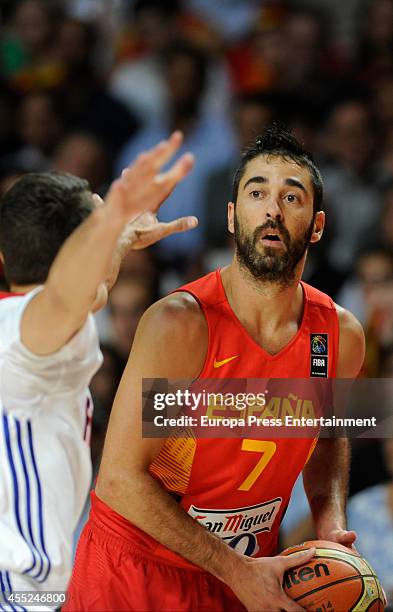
column 146, row 229
column 143, row 186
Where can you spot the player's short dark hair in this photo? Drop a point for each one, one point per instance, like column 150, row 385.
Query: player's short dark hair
column 277, row 141
column 36, row 216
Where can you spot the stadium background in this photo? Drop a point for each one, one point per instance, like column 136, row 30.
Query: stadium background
column 86, row 84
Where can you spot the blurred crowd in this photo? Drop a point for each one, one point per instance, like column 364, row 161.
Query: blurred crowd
column 87, row 84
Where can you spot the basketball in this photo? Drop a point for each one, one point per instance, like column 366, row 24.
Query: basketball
column 336, row 579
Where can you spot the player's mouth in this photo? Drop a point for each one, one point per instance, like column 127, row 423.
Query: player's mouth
column 271, row 238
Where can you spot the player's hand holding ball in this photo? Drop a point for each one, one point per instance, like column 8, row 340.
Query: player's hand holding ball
column 258, row 582
column 339, row 536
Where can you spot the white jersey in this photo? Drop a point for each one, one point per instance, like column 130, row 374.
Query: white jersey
column 45, row 467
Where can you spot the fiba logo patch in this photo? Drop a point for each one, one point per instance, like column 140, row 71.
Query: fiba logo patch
column 318, row 344
column 319, row 355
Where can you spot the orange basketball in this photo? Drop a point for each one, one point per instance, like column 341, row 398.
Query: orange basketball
column 336, row 579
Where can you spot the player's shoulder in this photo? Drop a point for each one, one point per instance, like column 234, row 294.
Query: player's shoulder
column 350, row 327
column 351, row 343
column 173, row 336
column 177, row 313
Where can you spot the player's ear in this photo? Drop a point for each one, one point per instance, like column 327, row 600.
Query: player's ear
column 231, row 217
column 319, row 224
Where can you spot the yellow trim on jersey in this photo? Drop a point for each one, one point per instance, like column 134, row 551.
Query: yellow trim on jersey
column 173, row 464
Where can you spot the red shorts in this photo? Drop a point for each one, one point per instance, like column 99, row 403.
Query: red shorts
column 115, row 570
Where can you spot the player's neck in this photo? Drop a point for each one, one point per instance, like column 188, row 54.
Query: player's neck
column 22, row 288
column 263, row 301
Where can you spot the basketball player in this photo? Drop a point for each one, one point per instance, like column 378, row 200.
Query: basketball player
column 147, row 544
column 50, row 351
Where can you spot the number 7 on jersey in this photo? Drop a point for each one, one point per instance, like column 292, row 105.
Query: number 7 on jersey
column 267, row 448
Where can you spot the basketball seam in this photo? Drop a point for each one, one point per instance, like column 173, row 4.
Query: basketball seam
column 360, row 596
column 373, row 602
column 321, row 588
column 380, row 598
column 349, row 553
column 344, row 561
column 377, row 582
column 339, row 559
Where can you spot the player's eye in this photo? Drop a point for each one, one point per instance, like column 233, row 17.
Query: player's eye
column 291, row 197
column 255, row 193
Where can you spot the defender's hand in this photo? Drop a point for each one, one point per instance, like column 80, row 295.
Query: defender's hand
column 258, row 582
column 142, row 186
column 146, row 230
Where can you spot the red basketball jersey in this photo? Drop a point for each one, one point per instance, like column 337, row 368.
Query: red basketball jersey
column 239, row 488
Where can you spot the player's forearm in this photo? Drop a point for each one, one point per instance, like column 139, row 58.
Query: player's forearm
column 83, row 262
column 142, row 500
column 123, row 247
column 325, row 479
column 70, row 292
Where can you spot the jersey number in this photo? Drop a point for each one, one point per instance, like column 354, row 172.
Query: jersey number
column 267, row 448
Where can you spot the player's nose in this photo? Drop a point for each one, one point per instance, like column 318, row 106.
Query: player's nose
column 273, row 208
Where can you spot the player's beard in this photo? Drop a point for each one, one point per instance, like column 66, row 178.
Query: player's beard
column 270, row 264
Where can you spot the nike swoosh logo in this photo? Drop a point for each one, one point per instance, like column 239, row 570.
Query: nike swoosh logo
column 218, row 364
